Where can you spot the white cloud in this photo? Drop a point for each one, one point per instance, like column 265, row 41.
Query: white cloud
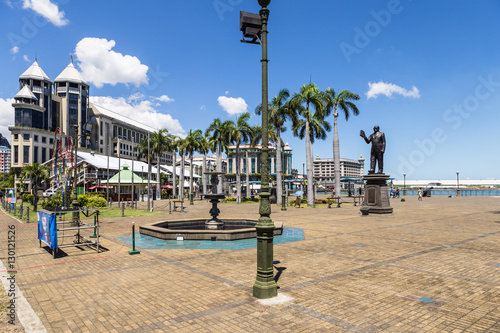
column 164, row 98
column 203, row 107
column 25, row 58
column 387, row 89
column 14, row 50
column 6, row 116
column 232, row 106
column 135, row 97
column 9, row 3
column 142, row 111
column 48, row 10
column 100, row 65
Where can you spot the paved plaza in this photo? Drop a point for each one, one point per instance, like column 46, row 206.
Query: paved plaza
column 431, row 266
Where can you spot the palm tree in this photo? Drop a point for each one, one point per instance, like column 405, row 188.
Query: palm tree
column 192, row 145
column 279, row 112
column 159, row 142
column 302, row 102
column 37, row 174
column 341, row 100
column 205, row 145
column 181, row 145
column 218, row 138
column 238, row 133
column 143, row 150
column 172, row 146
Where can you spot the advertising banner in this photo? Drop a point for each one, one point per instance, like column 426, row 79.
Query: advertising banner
column 11, row 195
column 47, row 229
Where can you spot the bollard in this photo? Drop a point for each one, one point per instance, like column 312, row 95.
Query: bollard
column 14, row 209
column 21, row 212
column 95, row 221
column 123, row 209
column 170, row 207
column 134, row 251
column 152, row 205
column 27, row 215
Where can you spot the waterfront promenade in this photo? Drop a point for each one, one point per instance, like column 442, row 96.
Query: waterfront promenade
column 431, row 266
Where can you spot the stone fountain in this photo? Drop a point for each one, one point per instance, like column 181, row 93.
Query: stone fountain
column 214, row 229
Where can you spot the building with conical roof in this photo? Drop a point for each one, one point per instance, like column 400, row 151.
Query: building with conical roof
column 43, row 108
column 73, row 93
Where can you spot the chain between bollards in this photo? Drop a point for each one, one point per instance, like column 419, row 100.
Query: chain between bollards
column 134, row 251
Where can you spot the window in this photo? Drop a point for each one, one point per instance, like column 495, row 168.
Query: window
column 35, row 155
column 35, row 138
column 16, row 154
column 51, row 141
column 44, row 155
column 16, row 137
column 26, row 154
column 26, row 137
column 44, row 139
column 230, row 165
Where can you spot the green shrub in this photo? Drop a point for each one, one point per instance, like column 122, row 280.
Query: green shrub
column 83, row 200
column 230, row 199
column 27, row 197
column 96, row 202
column 53, row 202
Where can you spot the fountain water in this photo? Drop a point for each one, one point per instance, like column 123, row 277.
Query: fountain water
column 213, row 229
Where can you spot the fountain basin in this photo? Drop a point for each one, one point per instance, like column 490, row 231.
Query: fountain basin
column 196, row 229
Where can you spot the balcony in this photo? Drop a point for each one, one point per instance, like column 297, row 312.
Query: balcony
column 61, row 89
column 73, row 90
column 35, row 89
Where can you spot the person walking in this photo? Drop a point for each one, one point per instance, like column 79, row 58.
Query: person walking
column 420, row 194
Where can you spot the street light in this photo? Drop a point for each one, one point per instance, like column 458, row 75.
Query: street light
column 264, row 286
column 404, row 183
column 458, row 184
column 283, row 195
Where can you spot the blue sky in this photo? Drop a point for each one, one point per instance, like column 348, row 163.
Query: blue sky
column 427, row 72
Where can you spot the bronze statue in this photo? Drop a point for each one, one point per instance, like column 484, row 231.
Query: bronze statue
column 378, row 148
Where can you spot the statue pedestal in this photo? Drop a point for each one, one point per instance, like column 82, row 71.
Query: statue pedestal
column 376, row 194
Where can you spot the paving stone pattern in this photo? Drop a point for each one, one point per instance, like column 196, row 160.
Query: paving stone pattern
column 431, row 266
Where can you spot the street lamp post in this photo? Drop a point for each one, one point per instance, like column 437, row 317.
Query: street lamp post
column 74, row 204
column 404, row 183
column 142, row 183
column 264, row 286
column 458, row 185
column 283, row 194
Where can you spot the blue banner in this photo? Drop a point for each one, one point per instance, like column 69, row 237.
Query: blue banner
column 47, row 229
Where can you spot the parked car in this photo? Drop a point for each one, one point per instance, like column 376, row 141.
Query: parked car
column 48, row 193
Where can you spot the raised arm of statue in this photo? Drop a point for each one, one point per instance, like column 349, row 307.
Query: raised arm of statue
column 363, row 135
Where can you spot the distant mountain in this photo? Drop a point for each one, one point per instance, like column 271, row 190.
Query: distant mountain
column 3, row 141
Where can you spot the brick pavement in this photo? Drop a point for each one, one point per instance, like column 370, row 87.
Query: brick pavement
column 431, row 266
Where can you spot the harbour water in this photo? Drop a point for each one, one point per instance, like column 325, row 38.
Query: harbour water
column 453, row 193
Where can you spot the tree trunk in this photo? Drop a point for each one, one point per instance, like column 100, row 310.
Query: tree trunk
column 309, row 165
column 204, row 179
column 181, row 181
column 238, row 174
column 336, row 156
column 174, row 176
column 248, row 175
column 279, row 177
column 191, row 178
column 158, row 179
column 219, row 169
